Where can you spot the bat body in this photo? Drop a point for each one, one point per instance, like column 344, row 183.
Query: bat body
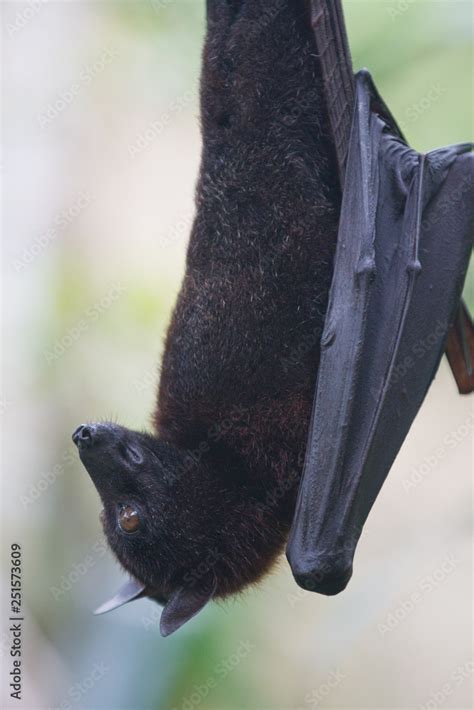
column 215, row 485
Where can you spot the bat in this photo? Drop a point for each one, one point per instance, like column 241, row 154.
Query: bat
column 202, row 507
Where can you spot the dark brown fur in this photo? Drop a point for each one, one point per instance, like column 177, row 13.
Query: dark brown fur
column 219, row 485
column 243, row 342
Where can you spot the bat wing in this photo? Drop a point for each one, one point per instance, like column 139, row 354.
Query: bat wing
column 327, row 20
column 404, row 242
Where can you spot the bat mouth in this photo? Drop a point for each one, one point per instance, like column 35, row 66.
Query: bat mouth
column 103, row 453
column 107, row 442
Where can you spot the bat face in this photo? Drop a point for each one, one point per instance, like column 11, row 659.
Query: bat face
column 130, row 480
column 135, row 476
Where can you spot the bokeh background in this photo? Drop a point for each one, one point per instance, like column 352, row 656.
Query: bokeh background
column 101, row 150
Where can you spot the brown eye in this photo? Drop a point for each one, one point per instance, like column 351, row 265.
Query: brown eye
column 129, row 520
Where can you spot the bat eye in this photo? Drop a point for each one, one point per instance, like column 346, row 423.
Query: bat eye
column 129, row 519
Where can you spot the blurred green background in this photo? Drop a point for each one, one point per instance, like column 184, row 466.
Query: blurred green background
column 100, row 155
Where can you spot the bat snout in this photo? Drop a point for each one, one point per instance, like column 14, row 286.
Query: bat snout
column 98, row 449
column 87, row 436
column 108, row 450
column 84, row 435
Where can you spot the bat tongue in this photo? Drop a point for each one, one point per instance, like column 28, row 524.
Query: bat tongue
column 133, row 589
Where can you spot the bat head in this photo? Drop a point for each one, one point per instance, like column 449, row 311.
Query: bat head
column 146, row 520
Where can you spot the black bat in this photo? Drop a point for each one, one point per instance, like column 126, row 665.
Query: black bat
column 202, row 507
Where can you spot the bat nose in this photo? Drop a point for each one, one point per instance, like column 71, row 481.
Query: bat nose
column 84, row 435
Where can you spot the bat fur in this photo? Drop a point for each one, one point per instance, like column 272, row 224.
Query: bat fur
column 216, row 481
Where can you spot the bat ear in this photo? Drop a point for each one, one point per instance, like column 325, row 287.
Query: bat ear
column 183, row 604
